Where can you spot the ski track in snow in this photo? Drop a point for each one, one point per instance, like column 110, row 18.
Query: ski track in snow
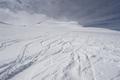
column 75, row 55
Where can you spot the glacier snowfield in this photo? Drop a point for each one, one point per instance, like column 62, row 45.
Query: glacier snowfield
column 58, row 50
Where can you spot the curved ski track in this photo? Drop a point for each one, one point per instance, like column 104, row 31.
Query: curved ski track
column 70, row 56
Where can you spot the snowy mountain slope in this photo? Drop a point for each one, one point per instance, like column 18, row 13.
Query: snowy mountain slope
column 48, row 49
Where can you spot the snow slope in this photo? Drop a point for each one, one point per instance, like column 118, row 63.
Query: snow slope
column 48, row 49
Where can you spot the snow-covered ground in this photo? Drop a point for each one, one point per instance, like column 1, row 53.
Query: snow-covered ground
column 48, row 49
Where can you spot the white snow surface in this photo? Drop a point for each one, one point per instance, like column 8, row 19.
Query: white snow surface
column 48, row 49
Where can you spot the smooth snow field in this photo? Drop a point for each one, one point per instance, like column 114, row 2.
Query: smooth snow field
column 49, row 49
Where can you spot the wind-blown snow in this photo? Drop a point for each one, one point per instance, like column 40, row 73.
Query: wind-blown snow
column 48, row 49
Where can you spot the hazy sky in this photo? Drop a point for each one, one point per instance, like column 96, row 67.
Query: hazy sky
column 102, row 13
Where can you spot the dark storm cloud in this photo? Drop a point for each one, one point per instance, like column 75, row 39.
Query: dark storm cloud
column 97, row 13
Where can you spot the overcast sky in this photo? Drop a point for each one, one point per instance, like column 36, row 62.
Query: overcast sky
column 98, row 13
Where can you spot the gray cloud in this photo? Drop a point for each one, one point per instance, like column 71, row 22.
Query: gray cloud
column 98, row 13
